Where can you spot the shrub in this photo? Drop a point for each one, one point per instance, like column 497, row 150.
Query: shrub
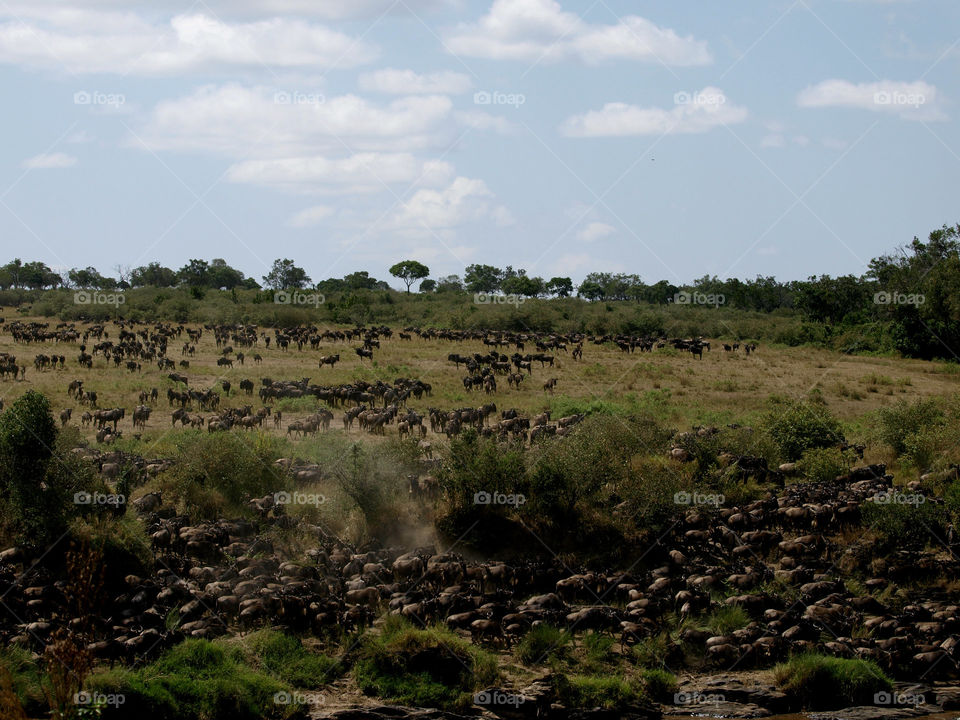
column 905, row 525
column 659, row 684
column 432, row 667
column 214, row 471
column 542, row 643
column 38, row 503
column 798, row 427
column 285, row 658
column 820, row 682
column 198, row 679
column 898, row 423
column 823, row 464
column 591, row 691
column 727, row 618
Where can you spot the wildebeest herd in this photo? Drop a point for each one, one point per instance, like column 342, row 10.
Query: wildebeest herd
column 368, row 406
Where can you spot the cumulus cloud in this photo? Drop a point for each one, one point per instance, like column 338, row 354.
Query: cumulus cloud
column 465, row 200
column 358, row 173
column 97, row 41
column 540, row 29
column 596, row 231
column 241, row 121
column 917, row 100
column 691, row 113
column 407, row 82
column 48, row 161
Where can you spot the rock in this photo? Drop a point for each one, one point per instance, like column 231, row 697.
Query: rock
column 735, row 690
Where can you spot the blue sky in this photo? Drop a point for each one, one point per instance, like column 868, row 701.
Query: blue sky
column 666, row 139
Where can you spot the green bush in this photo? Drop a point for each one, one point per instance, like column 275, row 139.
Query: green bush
column 432, row 667
column 285, row 658
column 196, row 679
column 898, row 424
column 659, row 684
column 603, row 691
column 904, row 522
column 798, row 427
column 38, row 502
column 542, row 643
column 823, row 464
column 819, row 682
column 214, row 472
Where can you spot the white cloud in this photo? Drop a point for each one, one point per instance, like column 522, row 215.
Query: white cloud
column 94, row 41
column 693, row 114
column 308, row 217
column 540, row 29
column 47, row 161
column 243, row 122
column 358, row 173
column 908, row 99
column 465, row 200
column 772, row 141
column 596, row 231
column 324, row 9
column 407, row 82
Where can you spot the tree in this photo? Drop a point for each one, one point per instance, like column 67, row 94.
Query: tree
column 223, row 276
column 361, row 280
column 153, row 275
column 195, row 274
column 483, row 278
column 560, row 286
column 428, row 286
column 90, row 278
column 409, row 271
column 284, row 275
column 450, row 283
column 28, row 433
column 14, row 272
column 36, row 276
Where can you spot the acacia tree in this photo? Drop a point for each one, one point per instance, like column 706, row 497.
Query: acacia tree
column 285, row 275
column 409, row 271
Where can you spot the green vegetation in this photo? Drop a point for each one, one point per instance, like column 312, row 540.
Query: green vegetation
column 541, row 644
column 604, row 691
column 800, row 426
column 820, row 682
column 197, row 679
column 432, row 667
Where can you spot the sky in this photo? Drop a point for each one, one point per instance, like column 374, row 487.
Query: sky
column 667, row 139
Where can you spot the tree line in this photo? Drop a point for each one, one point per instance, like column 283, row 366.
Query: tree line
column 913, row 292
